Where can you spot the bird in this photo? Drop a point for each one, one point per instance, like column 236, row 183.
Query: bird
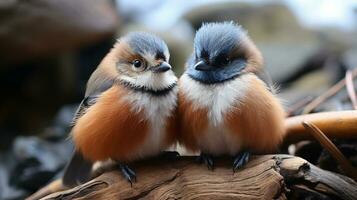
column 224, row 108
column 129, row 109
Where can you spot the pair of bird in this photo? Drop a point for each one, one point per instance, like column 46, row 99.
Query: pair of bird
column 134, row 106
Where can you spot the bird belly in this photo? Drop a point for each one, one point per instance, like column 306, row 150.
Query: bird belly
column 154, row 143
column 210, row 103
column 219, row 140
column 158, row 111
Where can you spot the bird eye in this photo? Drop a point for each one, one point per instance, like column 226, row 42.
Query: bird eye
column 222, row 60
column 137, row 63
column 226, row 61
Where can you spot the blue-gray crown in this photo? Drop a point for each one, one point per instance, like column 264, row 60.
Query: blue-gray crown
column 143, row 43
column 214, row 38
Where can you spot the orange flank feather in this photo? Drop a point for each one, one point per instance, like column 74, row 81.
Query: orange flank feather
column 192, row 121
column 110, row 129
column 258, row 119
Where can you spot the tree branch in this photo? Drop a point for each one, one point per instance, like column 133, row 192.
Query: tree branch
column 264, row 177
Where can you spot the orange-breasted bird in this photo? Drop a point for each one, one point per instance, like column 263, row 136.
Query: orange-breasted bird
column 128, row 112
column 224, row 108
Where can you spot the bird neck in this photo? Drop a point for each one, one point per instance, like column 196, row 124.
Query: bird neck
column 218, row 75
column 147, row 90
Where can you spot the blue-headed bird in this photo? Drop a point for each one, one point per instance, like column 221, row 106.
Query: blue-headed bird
column 224, row 107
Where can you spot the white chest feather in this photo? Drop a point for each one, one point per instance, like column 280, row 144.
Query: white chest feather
column 218, row 100
column 157, row 110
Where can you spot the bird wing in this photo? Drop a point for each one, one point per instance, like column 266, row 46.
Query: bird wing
column 78, row 169
column 89, row 101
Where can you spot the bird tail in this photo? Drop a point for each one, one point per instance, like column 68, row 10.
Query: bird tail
column 77, row 171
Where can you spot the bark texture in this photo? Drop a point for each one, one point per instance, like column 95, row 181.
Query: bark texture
column 264, row 177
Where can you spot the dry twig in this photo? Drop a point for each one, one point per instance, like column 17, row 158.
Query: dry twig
column 332, row 149
column 298, row 105
column 329, row 93
column 351, row 89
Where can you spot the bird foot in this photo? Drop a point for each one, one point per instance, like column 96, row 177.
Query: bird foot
column 240, row 160
column 207, row 159
column 128, row 173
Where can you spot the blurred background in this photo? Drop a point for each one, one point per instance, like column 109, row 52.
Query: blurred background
column 49, row 48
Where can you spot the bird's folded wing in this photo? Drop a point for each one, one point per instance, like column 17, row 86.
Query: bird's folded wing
column 78, row 170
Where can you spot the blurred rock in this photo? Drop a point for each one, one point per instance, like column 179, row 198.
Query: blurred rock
column 65, row 115
column 32, row 162
column 37, row 161
column 350, row 57
column 37, row 89
column 6, row 190
column 61, row 126
column 264, row 21
column 179, row 40
column 35, row 28
column 322, row 59
column 30, row 175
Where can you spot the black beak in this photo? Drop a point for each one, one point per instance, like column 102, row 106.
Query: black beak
column 163, row 67
column 202, row 66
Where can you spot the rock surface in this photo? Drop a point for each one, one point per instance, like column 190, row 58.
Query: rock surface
column 36, row 28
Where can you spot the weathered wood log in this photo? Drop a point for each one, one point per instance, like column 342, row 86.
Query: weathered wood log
column 264, row 177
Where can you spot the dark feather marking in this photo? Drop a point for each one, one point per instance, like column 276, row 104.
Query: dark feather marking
column 78, row 170
column 219, row 75
column 143, row 89
column 160, row 55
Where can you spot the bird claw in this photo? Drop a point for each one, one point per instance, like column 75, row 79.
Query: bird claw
column 128, row 173
column 240, row 160
column 207, row 159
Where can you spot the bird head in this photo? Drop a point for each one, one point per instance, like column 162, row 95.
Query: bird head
column 142, row 60
column 222, row 51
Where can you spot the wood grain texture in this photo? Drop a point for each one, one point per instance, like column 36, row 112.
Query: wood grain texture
column 264, row 177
